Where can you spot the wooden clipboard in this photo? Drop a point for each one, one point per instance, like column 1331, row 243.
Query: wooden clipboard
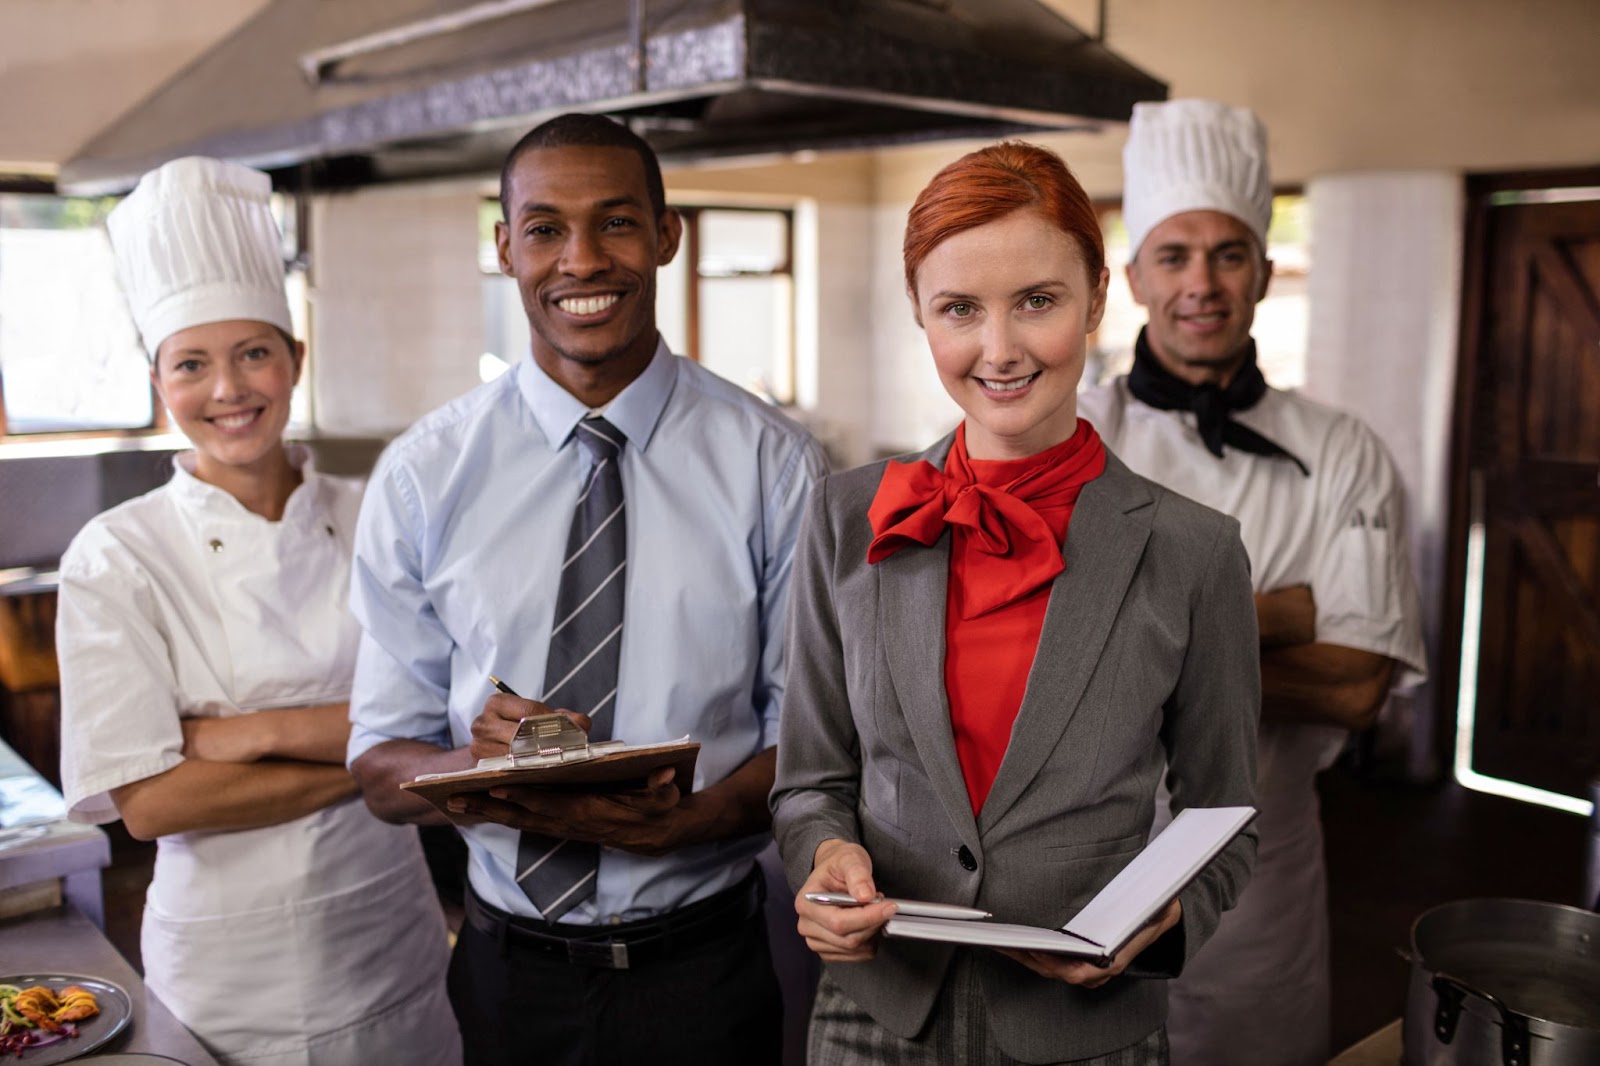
column 615, row 770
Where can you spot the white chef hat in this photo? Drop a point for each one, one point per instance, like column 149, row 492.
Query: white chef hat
column 195, row 242
column 1194, row 155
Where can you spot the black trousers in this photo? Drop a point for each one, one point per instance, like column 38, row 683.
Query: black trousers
column 713, row 1002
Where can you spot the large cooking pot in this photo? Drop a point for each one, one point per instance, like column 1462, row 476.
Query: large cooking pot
column 1504, row 982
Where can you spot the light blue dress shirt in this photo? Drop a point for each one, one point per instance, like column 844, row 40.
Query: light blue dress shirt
column 457, row 562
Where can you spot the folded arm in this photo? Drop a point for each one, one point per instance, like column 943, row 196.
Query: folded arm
column 316, row 734
column 1286, row 616
column 200, row 795
column 1325, row 683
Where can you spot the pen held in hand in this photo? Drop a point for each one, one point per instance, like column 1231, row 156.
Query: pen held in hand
column 503, row 687
column 919, row 908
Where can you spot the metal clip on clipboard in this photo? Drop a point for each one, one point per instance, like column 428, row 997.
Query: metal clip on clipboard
column 547, row 738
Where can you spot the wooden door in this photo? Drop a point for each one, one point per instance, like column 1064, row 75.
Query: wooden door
column 1530, row 441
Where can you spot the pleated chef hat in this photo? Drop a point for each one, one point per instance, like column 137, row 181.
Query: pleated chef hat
column 195, row 242
column 1194, row 155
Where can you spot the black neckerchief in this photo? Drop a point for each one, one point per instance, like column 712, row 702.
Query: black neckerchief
column 1155, row 385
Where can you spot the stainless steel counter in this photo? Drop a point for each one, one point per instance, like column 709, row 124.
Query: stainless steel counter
column 61, row 940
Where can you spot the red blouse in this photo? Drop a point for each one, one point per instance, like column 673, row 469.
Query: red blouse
column 1009, row 519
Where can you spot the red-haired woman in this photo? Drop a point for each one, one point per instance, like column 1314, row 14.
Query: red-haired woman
column 995, row 649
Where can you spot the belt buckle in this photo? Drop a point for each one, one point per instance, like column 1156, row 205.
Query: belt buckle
column 606, row 954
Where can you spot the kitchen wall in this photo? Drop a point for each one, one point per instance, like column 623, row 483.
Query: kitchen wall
column 396, row 317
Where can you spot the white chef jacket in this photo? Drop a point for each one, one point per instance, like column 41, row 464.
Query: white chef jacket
column 318, row 941
column 1258, row 992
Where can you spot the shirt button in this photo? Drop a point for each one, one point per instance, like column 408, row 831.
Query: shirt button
column 966, row 859
column 216, row 545
column 616, row 919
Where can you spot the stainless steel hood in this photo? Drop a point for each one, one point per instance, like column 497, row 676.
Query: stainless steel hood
column 342, row 92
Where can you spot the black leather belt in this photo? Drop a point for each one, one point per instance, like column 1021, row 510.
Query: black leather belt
column 628, row 944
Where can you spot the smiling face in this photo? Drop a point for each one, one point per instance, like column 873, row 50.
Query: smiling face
column 1200, row 274
column 227, row 386
column 1007, row 308
column 584, row 244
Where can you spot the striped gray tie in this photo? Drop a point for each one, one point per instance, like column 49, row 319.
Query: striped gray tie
column 585, row 648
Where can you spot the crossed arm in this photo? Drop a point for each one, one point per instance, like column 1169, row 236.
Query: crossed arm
column 1307, row 681
column 244, row 772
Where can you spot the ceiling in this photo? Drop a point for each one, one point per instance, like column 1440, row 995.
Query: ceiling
column 79, row 64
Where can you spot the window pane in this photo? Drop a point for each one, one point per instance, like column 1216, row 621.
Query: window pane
column 69, row 353
column 735, row 242
column 505, row 323
column 672, row 303
column 746, row 333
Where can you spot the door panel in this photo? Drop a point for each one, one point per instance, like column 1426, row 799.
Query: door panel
column 1534, row 446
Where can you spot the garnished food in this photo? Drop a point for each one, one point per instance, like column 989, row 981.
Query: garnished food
column 38, row 1016
column 76, row 1004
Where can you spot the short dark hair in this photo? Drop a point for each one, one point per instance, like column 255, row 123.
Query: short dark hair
column 581, row 130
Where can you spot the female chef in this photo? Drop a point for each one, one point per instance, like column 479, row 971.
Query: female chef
column 995, row 651
column 206, row 656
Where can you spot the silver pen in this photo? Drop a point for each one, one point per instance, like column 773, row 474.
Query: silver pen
column 915, row 907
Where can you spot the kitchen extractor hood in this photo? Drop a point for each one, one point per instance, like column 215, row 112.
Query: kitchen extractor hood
column 341, row 92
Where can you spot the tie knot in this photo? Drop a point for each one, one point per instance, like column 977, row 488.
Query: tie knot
column 600, row 439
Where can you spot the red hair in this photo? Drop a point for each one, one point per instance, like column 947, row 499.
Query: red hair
column 991, row 183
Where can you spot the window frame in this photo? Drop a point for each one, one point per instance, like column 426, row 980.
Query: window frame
column 691, row 213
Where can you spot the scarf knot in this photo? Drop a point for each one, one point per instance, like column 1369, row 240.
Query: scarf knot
column 1213, row 406
column 917, row 501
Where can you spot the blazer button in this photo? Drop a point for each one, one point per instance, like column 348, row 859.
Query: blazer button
column 965, row 856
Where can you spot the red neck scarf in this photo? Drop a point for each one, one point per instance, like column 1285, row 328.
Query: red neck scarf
column 916, row 501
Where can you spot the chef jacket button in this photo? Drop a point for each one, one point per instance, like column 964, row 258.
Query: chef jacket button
column 329, row 529
column 216, row 545
column 966, row 859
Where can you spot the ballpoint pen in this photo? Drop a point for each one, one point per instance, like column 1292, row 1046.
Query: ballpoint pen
column 503, row 687
column 919, row 908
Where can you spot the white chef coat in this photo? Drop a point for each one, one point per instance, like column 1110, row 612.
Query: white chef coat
column 318, row 941
column 1258, row 991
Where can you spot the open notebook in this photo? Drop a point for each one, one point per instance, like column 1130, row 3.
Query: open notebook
column 1118, row 911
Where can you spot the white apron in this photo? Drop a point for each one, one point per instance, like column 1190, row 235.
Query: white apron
column 1258, row 991
column 319, row 941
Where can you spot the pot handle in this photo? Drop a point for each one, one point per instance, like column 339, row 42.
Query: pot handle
column 1449, row 993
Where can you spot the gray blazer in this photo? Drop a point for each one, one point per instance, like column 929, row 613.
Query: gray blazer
column 1148, row 658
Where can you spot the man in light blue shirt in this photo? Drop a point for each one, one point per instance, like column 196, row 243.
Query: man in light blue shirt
column 459, row 557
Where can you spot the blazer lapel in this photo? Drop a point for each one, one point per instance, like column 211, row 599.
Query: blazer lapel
column 913, row 583
column 1110, row 524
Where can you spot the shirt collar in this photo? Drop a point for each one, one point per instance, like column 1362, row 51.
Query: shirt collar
column 635, row 410
column 208, row 497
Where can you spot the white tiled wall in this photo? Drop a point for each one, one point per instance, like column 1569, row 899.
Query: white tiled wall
column 396, row 304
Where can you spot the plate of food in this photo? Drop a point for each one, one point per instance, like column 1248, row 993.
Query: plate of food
column 50, row 1018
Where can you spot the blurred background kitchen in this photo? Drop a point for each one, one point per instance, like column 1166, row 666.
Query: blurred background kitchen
column 1437, row 243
